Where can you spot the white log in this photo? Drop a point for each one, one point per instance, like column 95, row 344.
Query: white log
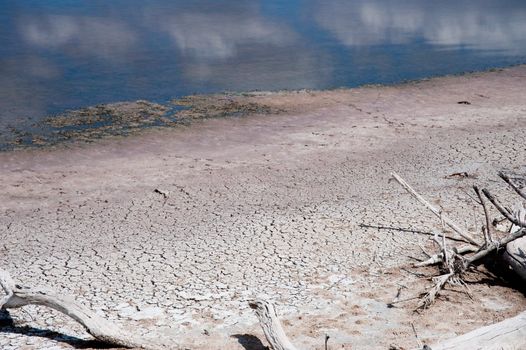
column 98, row 327
column 515, row 256
column 509, row 334
column 271, row 325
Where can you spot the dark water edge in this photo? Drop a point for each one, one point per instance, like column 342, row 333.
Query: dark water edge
column 87, row 125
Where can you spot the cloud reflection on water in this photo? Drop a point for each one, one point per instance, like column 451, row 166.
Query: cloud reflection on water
column 79, row 35
column 219, row 36
column 481, row 25
column 239, row 49
column 57, row 56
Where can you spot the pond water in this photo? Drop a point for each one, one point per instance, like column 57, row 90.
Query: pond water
column 63, row 54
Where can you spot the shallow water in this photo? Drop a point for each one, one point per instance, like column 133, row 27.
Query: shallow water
column 58, row 55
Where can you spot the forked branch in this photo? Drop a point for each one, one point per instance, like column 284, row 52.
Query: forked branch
column 511, row 216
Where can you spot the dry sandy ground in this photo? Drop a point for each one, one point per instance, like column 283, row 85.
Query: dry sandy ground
column 270, row 206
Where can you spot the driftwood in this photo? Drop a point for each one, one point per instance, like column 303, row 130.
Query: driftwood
column 100, row 328
column 271, row 325
column 515, row 256
column 455, row 227
column 437, row 258
column 509, row 334
column 455, row 261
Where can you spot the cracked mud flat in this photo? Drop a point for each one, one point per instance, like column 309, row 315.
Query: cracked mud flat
column 296, row 207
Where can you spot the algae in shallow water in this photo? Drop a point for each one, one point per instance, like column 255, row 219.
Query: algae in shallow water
column 91, row 123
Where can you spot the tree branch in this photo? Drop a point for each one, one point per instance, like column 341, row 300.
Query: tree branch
column 512, row 184
column 461, row 232
column 488, row 228
column 514, row 219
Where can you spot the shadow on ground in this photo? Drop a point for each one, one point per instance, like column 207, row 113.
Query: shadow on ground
column 249, row 342
column 7, row 325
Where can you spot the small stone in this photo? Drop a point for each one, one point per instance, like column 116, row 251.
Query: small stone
column 147, row 313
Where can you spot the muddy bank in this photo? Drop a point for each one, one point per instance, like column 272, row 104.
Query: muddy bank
column 293, row 205
column 128, row 118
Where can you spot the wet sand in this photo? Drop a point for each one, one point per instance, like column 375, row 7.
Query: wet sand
column 295, row 206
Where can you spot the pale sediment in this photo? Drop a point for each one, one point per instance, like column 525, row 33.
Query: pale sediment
column 293, row 203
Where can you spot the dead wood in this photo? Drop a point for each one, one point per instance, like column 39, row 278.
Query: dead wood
column 512, row 184
column 509, row 334
column 455, row 261
column 488, row 229
column 438, row 258
column 455, row 227
column 514, row 217
column 271, row 325
column 515, row 256
column 100, row 328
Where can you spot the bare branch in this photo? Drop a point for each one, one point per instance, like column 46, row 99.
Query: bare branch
column 438, row 258
column 512, row 184
column 494, row 246
column 461, row 232
column 488, row 228
column 515, row 219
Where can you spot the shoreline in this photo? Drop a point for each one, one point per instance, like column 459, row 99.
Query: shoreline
column 131, row 118
column 271, row 205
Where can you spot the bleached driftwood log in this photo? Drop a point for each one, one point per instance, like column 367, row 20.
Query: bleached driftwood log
column 271, row 325
column 515, row 256
column 509, row 334
column 100, row 328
